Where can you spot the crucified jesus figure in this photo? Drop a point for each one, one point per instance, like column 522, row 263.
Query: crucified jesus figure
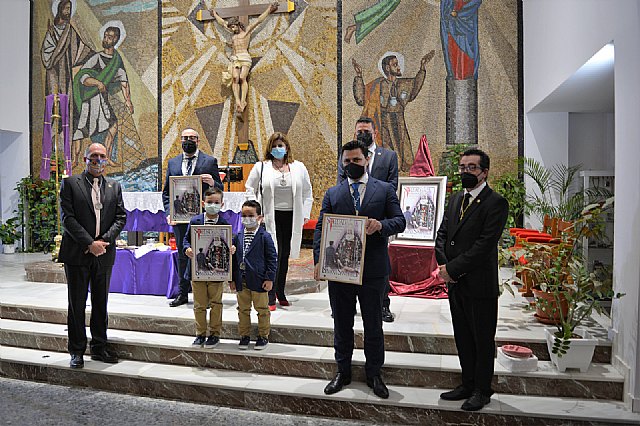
column 241, row 60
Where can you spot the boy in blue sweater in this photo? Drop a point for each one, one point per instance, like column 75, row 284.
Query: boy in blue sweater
column 254, row 271
column 207, row 293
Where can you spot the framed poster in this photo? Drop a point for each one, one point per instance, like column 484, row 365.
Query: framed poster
column 211, row 259
column 185, row 197
column 422, row 203
column 342, row 248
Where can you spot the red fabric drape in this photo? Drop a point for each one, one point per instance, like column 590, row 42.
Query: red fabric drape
column 415, row 272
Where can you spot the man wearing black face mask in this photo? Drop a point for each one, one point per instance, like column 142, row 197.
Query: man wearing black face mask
column 383, row 165
column 191, row 162
column 467, row 254
column 366, row 196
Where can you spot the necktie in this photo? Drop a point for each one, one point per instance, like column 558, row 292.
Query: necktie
column 465, row 204
column 95, row 197
column 189, row 164
column 356, row 195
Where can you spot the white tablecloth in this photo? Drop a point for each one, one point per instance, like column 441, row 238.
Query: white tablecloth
column 152, row 201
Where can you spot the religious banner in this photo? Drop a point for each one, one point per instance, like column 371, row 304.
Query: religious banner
column 212, row 257
column 342, row 248
column 422, row 202
column 184, row 197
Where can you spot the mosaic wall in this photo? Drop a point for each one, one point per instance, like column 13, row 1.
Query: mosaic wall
column 481, row 106
column 169, row 76
column 111, row 45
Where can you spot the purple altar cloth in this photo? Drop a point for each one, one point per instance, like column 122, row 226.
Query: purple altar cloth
column 155, row 273
column 146, row 221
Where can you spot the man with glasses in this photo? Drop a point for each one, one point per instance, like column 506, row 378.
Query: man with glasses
column 93, row 215
column 192, row 161
column 467, row 254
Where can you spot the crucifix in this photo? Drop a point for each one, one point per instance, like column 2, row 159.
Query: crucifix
column 240, row 64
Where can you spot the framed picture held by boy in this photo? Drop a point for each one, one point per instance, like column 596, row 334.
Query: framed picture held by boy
column 211, row 246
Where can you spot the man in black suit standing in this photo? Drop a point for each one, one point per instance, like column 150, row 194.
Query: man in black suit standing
column 363, row 195
column 383, row 165
column 191, row 162
column 467, row 254
column 93, row 215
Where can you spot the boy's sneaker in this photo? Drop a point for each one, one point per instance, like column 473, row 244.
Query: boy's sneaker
column 199, row 342
column 244, row 342
column 212, row 342
column 261, row 343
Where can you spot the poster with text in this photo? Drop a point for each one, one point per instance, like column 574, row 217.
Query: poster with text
column 422, row 204
column 184, row 197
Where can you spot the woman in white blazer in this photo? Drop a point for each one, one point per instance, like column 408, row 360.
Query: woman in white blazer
column 283, row 188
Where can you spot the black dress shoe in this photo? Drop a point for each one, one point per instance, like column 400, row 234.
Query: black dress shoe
column 387, row 316
column 458, row 394
column 76, row 361
column 180, row 300
column 335, row 385
column 105, row 356
column 476, row 402
column 378, row 386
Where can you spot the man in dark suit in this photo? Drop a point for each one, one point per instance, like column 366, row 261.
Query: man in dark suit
column 383, row 165
column 467, row 254
column 191, row 162
column 93, row 215
column 366, row 196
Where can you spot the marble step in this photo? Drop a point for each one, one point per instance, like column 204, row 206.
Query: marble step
column 306, row 326
column 263, row 392
column 602, row 381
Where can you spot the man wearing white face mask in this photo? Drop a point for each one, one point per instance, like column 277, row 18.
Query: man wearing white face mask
column 282, row 186
column 207, row 292
column 93, row 215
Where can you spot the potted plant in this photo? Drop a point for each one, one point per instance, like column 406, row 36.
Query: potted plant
column 552, row 192
column 9, row 234
column 567, row 293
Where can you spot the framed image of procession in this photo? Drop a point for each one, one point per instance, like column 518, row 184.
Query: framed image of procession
column 184, row 197
column 422, row 202
column 342, row 248
column 211, row 259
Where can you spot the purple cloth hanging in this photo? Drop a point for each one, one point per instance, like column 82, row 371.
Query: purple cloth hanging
column 64, row 119
column 45, row 165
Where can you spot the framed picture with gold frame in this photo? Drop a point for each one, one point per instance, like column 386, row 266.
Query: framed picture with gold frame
column 342, row 248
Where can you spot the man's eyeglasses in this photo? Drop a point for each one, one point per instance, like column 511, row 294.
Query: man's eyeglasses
column 469, row 168
column 189, row 138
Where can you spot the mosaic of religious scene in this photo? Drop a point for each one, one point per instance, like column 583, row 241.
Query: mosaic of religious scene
column 238, row 70
column 101, row 55
column 415, row 69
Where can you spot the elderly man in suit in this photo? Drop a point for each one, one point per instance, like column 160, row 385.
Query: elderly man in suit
column 191, row 162
column 364, row 195
column 467, row 254
column 383, row 165
column 93, row 215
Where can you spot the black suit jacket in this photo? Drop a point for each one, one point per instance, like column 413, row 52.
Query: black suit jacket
column 205, row 164
column 469, row 248
column 385, row 167
column 79, row 219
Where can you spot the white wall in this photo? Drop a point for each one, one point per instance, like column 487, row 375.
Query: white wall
column 14, row 100
column 560, row 36
column 592, row 140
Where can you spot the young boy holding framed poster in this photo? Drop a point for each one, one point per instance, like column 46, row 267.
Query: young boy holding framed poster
column 210, row 266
